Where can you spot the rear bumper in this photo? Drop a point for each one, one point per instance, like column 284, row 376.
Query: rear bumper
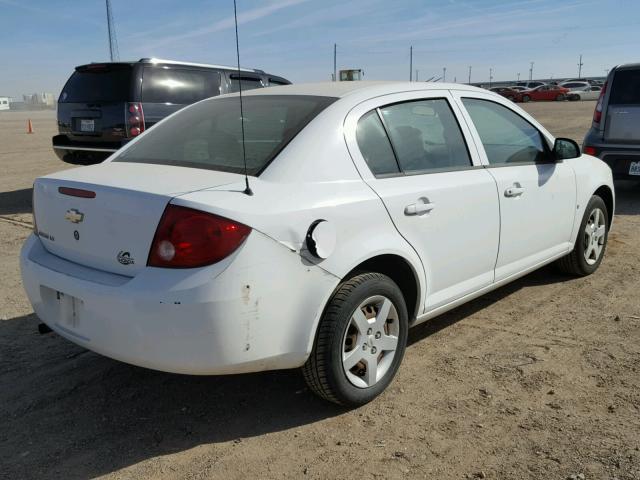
column 83, row 152
column 228, row 318
column 618, row 156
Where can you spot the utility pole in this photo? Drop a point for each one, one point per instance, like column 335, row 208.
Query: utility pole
column 417, row 71
column 531, row 72
column 469, row 74
column 335, row 63
column 490, row 77
column 518, row 76
column 113, row 41
column 580, row 64
column 444, row 74
column 411, row 63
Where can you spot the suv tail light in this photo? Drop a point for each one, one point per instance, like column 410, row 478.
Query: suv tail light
column 135, row 119
column 597, row 113
column 187, row 238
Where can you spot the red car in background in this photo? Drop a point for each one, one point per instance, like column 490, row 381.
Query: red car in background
column 545, row 92
column 509, row 93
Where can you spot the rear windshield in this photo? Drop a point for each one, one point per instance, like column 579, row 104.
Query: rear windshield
column 178, row 86
column 208, row 134
column 98, row 84
column 626, row 88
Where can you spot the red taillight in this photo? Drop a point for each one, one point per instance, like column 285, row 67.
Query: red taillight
column 597, row 113
column 589, row 150
column 187, row 238
column 135, row 119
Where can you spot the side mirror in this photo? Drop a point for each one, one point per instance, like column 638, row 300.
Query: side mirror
column 565, row 148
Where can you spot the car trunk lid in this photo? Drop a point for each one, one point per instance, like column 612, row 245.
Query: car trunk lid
column 105, row 216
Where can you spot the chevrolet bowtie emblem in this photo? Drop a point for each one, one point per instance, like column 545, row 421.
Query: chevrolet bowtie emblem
column 74, row 216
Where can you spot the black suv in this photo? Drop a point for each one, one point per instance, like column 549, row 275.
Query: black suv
column 104, row 105
column 615, row 132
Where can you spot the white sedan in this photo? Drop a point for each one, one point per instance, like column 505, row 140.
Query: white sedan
column 371, row 207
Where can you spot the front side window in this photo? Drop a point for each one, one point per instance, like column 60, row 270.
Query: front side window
column 425, row 136
column 506, row 136
column 208, row 134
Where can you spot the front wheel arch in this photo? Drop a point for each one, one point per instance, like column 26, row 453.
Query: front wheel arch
column 606, row 194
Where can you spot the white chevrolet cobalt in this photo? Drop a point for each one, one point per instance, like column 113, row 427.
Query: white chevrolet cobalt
column 371, row 207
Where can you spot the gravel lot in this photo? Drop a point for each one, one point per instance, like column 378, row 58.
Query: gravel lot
column 537, row 380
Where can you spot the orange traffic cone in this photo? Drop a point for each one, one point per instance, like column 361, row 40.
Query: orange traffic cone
column 29, row 127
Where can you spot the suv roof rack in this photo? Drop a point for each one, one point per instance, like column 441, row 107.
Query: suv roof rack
column 193, row 64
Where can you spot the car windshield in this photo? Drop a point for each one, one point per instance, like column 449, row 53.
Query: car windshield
column 209, row 134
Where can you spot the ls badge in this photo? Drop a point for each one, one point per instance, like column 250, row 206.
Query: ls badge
column 125, row 258
column 74, row 215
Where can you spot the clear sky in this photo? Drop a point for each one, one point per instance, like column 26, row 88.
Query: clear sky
column 42, row 40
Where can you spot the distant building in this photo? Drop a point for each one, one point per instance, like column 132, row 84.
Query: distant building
column 4, row 103
column 40, row 99
column 351, row 75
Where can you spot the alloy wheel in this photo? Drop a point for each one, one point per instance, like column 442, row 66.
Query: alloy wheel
column 370, row 341
column 594, row 236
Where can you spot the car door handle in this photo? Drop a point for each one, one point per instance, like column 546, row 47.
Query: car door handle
column 514, row 191
column 418, row 208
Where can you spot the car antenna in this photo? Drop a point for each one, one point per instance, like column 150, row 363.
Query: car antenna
column 247, row 189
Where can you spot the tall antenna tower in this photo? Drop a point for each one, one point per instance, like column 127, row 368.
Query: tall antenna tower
column 113, row 41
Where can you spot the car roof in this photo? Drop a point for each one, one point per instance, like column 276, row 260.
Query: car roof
column 162, row 61
column 343, row 89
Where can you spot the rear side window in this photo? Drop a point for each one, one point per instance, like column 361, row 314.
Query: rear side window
column 425, row 136
column 275, row 81
column 506, row 136
column 248, row 82
column 626, row 88
column 208, row 134
column 374, row 145
column 98, row 83
column 178, row 86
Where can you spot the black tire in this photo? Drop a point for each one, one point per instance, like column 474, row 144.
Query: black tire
column 526, row 98
column 324, row 372
column 560, row 98
column 575, row 263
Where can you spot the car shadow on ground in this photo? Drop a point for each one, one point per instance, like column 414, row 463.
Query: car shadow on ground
column 17, row 201
column 63, row 402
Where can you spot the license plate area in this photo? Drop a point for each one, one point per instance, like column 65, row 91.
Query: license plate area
column 87, row 125
column 66, row 310
column 634, row 168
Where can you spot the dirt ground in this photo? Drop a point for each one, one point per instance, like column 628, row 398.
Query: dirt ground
column 537, row 380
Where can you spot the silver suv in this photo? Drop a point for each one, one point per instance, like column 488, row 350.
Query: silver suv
column 615, row 132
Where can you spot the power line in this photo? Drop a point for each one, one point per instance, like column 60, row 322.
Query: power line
column 580, row 64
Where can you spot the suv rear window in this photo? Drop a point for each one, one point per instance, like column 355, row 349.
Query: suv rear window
column 208, row 134
column 178, row 86
column 626, row 88
column 98, row 83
